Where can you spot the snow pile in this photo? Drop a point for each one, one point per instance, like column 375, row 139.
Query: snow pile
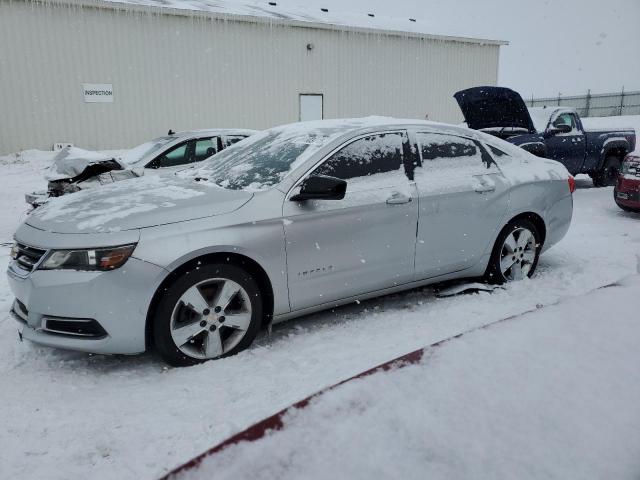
column 552, row 394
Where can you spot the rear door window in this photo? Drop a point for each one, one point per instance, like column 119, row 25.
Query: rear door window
column 445, row 157
column 205, row 147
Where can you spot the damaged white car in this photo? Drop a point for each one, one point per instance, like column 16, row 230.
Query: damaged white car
column 75, row 169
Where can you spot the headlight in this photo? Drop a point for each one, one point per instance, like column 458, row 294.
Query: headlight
column 99, row 259
column 14, row 251
column 630, row 165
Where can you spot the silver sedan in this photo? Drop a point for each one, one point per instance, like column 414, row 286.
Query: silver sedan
column 290, row 221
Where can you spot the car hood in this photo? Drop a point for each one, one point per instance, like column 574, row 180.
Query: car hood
column 136, row 203
column 494, row 107
column 71, row 162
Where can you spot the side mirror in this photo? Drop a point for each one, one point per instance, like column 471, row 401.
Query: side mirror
column 155, row 163
column 560, row 128
column 321, row 187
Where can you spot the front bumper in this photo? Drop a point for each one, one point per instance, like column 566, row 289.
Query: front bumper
column 627, row 191
column 117, row 301
column 36, row 199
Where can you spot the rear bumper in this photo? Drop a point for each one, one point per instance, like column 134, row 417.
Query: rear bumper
column 97, row 312
column 558, row 220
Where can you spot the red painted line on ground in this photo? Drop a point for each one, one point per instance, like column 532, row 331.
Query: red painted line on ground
column 274, row 422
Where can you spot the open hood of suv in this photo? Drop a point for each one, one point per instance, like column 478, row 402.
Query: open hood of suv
column 494, row 107
column 136, row 203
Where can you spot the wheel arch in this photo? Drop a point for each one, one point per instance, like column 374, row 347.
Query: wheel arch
column 537, row 221
column 616, row 148
column 233, row 258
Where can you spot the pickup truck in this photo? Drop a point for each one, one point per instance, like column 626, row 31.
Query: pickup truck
column 551, row 132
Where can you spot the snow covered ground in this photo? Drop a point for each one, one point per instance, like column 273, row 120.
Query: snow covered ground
column 70, row 415
column 550, row 394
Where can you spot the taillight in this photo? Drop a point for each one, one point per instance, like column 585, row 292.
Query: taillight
column 572, row 183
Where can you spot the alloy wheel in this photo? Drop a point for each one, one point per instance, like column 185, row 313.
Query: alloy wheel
column 210, row 318
column 518, row 254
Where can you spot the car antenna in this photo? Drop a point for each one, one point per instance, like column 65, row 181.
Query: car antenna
column 171, row 132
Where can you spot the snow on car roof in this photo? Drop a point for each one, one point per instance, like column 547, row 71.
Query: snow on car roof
column 215, row 131
column 268, row 157
column 277, row 13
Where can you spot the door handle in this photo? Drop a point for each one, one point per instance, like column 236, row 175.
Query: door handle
column 397, row 198
column 485, row 188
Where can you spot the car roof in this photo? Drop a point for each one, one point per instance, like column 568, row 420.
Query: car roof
column 350, row 126
column 213, row 132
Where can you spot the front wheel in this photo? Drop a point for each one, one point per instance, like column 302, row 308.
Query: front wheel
column 211, row 311
column 609, row 174
column 515, row 253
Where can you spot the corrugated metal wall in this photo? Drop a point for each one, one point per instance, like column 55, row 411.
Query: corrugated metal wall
column 185, row 72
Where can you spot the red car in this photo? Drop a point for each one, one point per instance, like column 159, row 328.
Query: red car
column 627, row 190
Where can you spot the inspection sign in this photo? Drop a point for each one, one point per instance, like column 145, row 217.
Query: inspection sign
column 98, row 92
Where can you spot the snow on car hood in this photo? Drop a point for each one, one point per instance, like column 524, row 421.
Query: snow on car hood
column 133, row 204
column 72, row 161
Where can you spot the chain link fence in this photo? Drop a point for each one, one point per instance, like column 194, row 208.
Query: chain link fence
column 599, row 105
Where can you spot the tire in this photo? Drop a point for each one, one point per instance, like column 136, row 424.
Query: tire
column 521, row 260
column 608, row 175
column 211, row 311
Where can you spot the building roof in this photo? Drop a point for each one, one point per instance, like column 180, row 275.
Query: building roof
column 274, row 12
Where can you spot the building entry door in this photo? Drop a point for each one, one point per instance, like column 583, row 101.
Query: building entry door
column 311, row 106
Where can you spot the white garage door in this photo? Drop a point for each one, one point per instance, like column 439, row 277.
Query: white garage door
column 310, row 106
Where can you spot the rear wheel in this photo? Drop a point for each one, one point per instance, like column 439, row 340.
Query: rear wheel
column 515, row 253
column 608, row 175
column 211, row 311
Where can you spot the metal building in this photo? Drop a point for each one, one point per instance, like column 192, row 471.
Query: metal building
column 107, row 74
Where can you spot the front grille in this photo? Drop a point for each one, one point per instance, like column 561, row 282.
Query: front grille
column 628, row 196
column 28, row 257
column 75, row 327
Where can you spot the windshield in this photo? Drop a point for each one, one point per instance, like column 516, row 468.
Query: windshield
column 263, row 160
column 540, row 117
column 140, row 152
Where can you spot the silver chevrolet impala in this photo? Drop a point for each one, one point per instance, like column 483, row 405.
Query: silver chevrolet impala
column 292, row 220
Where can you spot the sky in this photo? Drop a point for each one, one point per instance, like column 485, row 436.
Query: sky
column 556, row 46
